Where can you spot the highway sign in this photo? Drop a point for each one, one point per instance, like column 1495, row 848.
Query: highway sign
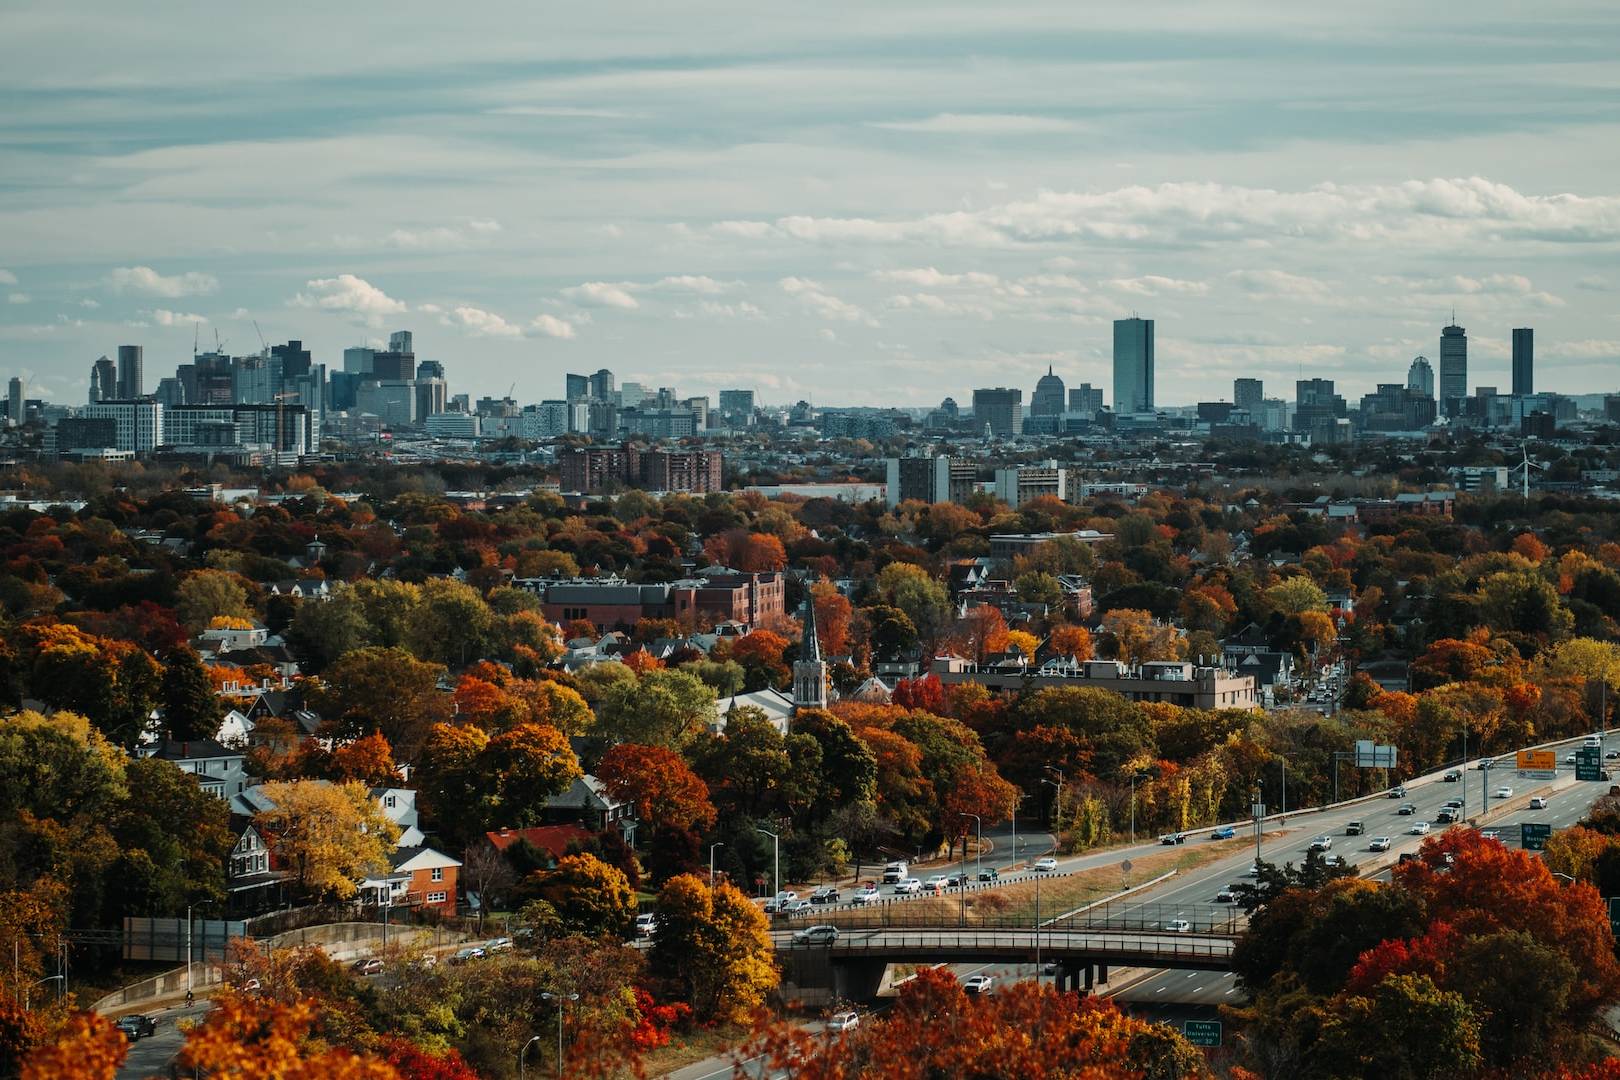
column 1589, row 763
column 1533, row 835
column 1370, row 755
column 1538, row 760
column 1202, row 1032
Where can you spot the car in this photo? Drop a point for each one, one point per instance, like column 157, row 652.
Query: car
column 1539, row 802
column 786, row 896
column 137, row 1026
column 1379, row 843
column 1611, row 755
column 827, row 894
column 863, row 898
column 1334, row 860
column 796, row 908
column 1173, row 838
column 895, row 871
column 368, row 966
column 1484, row 763
column 989, row 873
column 1355, row 828
column 1407, row 856
column 1226, row 895
column 1453, row 804
column 1046, row 863
column 1569, row 759
column 1406, row 809
column 1419, row 828
column 1490, row 834
column 1322, row 843
column 1225, row 832
column 978, row 984
column 1504, row 793
column 816, row 935
column 1398, row 792
column 938, row 879
column 908, row 887
column 1446, row 816
column 844, row 1021
column 955, row 881
column 1253, row 870
column 467, row 954
column 1178, row 926
column 1453, row 776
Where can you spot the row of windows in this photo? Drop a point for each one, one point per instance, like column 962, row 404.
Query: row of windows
column 435, row 897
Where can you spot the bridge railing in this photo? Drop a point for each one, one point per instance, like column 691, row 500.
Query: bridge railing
column 1125, row 915
column 1162, row 946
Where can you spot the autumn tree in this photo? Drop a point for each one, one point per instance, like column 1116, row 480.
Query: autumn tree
column 833, row 617
column 385, row 690
column 1137, row 637
column 204, row 595
column 249, row 1038
column 1071, row 641
column 658, row 782
column 661, row 708
column 86, row 1047
column 716, row 945
column 329, row 835
column 368, row 760
column 1296, row 595
column 589, row 896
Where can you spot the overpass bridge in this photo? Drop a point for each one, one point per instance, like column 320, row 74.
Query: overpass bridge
column 1082, row 946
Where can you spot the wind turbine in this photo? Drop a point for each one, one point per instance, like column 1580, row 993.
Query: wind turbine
column 1524, row 468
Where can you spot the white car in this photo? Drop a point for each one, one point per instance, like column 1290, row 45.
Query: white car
column 1504, row 793
column 938, row 881
column 908, row 887
column 1490, row 834
column 844, row 1021
column 1178, row 926
column 1253, row 870
column 798, row 907
column 865, row 897
column 1046, row 864
column 1322, row 843
column 978, row 984
column 1379, row 843
column 1538, row 803
column 1419, row 828
column 646, row 923
column 816, row 935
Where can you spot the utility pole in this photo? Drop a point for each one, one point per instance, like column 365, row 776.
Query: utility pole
column 978, row 857
column 716, row 844
column 776, row 848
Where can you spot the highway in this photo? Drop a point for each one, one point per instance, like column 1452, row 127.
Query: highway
column 151, row 1056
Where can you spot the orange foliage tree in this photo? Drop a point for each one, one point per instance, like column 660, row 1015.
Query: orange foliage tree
column 248, row 1039
column 1072, row 641
column 87, row 1047
column 833, row 617
column 664, row 790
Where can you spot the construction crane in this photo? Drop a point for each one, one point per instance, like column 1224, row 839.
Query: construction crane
column 264, row 345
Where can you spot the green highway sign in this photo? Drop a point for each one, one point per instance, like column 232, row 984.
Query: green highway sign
column 1589, row 763
column 1533, row 835
column 1202, row 1032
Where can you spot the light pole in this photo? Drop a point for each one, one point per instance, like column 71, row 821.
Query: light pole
column 978, row 856
column 562, row 1001
column 776, row 848
column 1016, row 804
column 716, row 844
column 1259, row 818
column 1284, row 761
column 204, row 903
column 49, row 978
column 523, row 1053
column 1057, row 800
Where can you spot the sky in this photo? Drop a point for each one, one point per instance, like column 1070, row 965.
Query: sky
column 857, row 204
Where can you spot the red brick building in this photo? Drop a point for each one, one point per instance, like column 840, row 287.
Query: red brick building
column 594, row 469
column 712, row 595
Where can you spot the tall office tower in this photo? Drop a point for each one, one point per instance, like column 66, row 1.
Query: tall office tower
column 602, row 385
column 1133, row 365
column 632, row 394
column 1247, row 394
column 430, row 369
column 737, row 407
column 357, row 360
column 295, row 361
column 251, row 381
column 579, row 387
column 432, row 397
column 1453, row 368
column 171, row 392
column 1086, row 399
column 131, row 381
column 103, row 381
column 1420, row 376
column 1048, row 399
column 14, row 401
column 999, row 409
column 400, row 341
column 1524, row 362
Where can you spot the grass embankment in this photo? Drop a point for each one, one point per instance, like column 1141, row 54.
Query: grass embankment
column 693, row 1046
column 1058, row 894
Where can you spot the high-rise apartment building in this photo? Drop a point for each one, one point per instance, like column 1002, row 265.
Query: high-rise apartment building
column 14, row 401
column 1048, row 397
column 1420, row 376
column 1000, row 409
column 737, row 407
column 931, row 479
column 131, row 379
column 1086, row 399
column 1247, row 394
column 1133, row 365
column 1453, row 369
column 1524, row 361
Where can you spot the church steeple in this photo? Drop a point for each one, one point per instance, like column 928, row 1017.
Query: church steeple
column 809, row 670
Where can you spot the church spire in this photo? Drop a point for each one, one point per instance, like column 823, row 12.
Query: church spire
column 809, row 670
column 810, row 648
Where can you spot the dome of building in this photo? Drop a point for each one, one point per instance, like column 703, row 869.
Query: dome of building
column 1049, row 396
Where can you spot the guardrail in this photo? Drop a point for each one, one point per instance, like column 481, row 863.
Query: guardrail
column 1109, row 916
column 1158, row 947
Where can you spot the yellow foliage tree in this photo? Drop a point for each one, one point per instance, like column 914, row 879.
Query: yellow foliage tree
column 718, row 944
column 329, row 835
column 1024, row 641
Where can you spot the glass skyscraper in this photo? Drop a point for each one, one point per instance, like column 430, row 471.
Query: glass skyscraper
column 1453, row 369
column 1133, row 365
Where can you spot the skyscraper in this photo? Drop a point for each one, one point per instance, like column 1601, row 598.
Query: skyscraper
column 1133, row 365
column 737, row 407
column 602, row 385
column 103, row 381
column 400, row 341
column 14, row 401
column 1086, row 399
column 1247, row 394
column 1420, row 377
column 357, row 360
column 1048, row 398
column 1001, row 409
column 1524, row 362
column 131, row 381
column 579, row 387
column 1453, row 368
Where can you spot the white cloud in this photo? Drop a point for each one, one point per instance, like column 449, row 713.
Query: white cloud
column 7, row 277
column 551, row 326
column 938, row 305
column 481, row 323
column 347, row 294
column 1278, row 283
column 19, row 298
column 89, row 303
column 601, row 294
column 741, row 310
column 443, row 236
column 164, row 317
column 1155, row 285
column 810, row 294
column 980, row 124
column 145, row 280
column 929, row 278
column 697, row 283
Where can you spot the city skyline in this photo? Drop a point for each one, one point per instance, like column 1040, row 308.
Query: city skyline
column 947, row 199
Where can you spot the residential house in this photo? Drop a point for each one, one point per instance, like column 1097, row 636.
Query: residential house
column 399, row 806
column 1247, row 652
column 219, row 769
column 554, row 840
column 587, row 803
column 252, row 883
column 416, row 876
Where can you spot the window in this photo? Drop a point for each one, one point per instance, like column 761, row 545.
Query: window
column 390, row 801
column 438, row 873
column 435, row 897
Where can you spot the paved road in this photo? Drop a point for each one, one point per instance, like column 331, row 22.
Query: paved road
column 151, row 1056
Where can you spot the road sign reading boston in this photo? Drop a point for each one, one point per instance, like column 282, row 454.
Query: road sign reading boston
column 1533, row 835
column 1202, row 1032
column 1589, row 763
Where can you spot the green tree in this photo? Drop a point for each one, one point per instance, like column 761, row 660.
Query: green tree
column 1037, row 587
column 914, row 591
column 382, row 689
column 205, row 595
column 451, row 625
column 1407, row 1028
column 173, row 840
column 660, row 708
column 190, row 706
column 1296, row 595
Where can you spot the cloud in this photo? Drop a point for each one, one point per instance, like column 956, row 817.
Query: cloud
column 89, row 303
column 601, row 294
column 480, row 323
column 164, row 317
column 1154, row 285
column 810, row 294
column 697, row 283
column 7, row 277
column 929, row 278
column 19, row 298
column 347, row 294
column 1278, row 283
column 551, row 326
column 938, row 305
column 145, row 280
column 741, row 310
column 979, row 124
column 1515, row 285
column 443, row 236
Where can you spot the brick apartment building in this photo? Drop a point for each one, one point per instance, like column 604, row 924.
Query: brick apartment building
column 594, row 469
column 712, row 595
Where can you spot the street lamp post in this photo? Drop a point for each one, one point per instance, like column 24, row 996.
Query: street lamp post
column 1016, row 804
column 716, row 844
column 978, row 857
column 189, row 907
column 49, row 978
column 562, row 1001
column 524, row 1053
column 776, row 848
column 1057, row 800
